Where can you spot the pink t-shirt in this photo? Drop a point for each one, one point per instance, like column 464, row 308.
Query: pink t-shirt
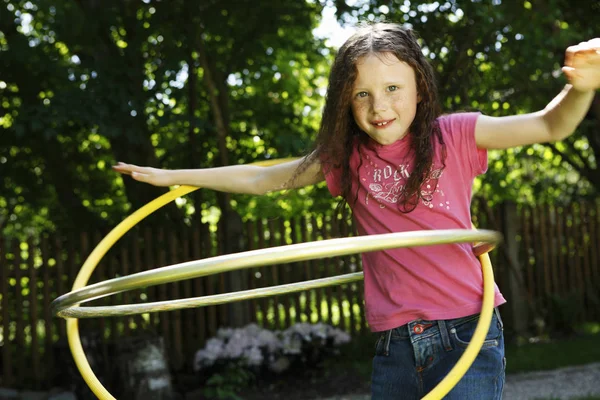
column 431, row 282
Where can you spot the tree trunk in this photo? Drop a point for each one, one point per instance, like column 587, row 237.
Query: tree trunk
column 230, row 224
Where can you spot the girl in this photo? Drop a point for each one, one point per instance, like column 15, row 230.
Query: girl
column 384, row 148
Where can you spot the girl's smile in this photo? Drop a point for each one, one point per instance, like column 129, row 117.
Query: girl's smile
column 383, row 124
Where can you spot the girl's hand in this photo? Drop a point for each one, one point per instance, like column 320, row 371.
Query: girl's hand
column 582, row 65
column 153, row 176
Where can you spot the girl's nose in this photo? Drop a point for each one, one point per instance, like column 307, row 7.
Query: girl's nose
column 379, row 104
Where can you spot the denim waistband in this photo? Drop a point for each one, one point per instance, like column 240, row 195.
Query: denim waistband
column 426, row 328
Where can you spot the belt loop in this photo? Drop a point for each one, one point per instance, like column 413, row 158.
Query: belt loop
column 388, row 338
column 497, row 312
column 445, row 336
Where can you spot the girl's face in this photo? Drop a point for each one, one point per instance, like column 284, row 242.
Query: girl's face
column 385, row 97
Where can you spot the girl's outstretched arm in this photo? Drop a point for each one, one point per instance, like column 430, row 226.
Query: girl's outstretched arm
column 561, row 116
column 248, row 179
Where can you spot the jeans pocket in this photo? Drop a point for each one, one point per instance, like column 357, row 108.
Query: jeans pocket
column 463, row 334
column 382, row 346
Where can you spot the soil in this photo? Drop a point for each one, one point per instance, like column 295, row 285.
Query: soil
column 314, row 386
column 310, row 385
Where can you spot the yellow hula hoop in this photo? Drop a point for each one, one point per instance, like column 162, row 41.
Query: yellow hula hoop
column 67, row 306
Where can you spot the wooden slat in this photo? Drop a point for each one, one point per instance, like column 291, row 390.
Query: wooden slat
column 536, row 240
column 306, row 308
column 295, row 275
column 112, row 270
column 223, row 309
column 7, row 362
column 198, row 284
column 287, row 300
column 594, row 228
column 250, row 240
column 585, row 256
column 209, row 282
column 165, row 318
column 137, row 266
column 349, row 289
column 125, row 271
column 552, row 243
column 328, row 270
column 576, row 247
column 336, row 269
column 265, row 274
column 104, row 324
column 177, row 349
column 274, row 275
column 21, row 372
column 190, row 336
column 543, row 216
column 562, row 251
column 149, row 264
column 529, row 273
column 314, row 235
column 61, row 278
column 49, row 322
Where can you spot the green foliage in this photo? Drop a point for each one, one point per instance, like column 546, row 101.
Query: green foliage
column 85, row 84
column 228, row 384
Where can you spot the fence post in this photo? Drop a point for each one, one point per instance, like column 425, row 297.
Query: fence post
column 239, row 312
column 516, row 309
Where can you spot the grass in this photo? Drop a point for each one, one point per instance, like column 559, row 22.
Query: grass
column 577, row 350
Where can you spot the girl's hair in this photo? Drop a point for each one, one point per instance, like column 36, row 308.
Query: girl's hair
column 338, row 132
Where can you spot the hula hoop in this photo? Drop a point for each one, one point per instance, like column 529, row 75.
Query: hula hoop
column 67, row 306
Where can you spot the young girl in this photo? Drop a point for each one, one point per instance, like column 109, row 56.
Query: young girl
column 386, row 150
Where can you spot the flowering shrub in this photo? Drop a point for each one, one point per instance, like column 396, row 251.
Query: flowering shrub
column 259, row 349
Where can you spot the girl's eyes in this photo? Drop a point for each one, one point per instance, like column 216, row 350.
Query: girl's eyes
column 391, row 88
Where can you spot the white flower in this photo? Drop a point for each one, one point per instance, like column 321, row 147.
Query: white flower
column 292, row 343
column 236, row 345
column 303, row 329
column 224, row 333
column 253, row 356
column 321, row 330
column 252, row 330
column 269, row 340
column 340, row 337
column 253, row 344
column 207, row 356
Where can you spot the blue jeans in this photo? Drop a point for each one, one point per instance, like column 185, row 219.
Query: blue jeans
column 412, row 359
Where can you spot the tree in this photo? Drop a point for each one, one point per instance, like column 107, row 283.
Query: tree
column 174, row 84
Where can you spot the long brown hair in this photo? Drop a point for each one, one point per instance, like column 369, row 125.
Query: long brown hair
column 336, row 138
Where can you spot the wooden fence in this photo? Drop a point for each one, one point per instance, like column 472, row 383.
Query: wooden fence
column 548, row 269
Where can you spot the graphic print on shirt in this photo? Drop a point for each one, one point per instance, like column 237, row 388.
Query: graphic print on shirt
column 386, row 184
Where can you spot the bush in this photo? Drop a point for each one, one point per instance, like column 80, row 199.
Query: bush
column 234, row 357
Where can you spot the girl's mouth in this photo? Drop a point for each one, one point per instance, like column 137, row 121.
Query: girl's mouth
column 382, row 123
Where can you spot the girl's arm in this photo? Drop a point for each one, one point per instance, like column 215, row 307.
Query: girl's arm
column 248, row 179
column 561, row 116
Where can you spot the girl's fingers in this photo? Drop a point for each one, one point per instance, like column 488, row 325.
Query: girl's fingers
column 589, row 49
column 128, row 168
column 121, row 169
column 570, row 72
